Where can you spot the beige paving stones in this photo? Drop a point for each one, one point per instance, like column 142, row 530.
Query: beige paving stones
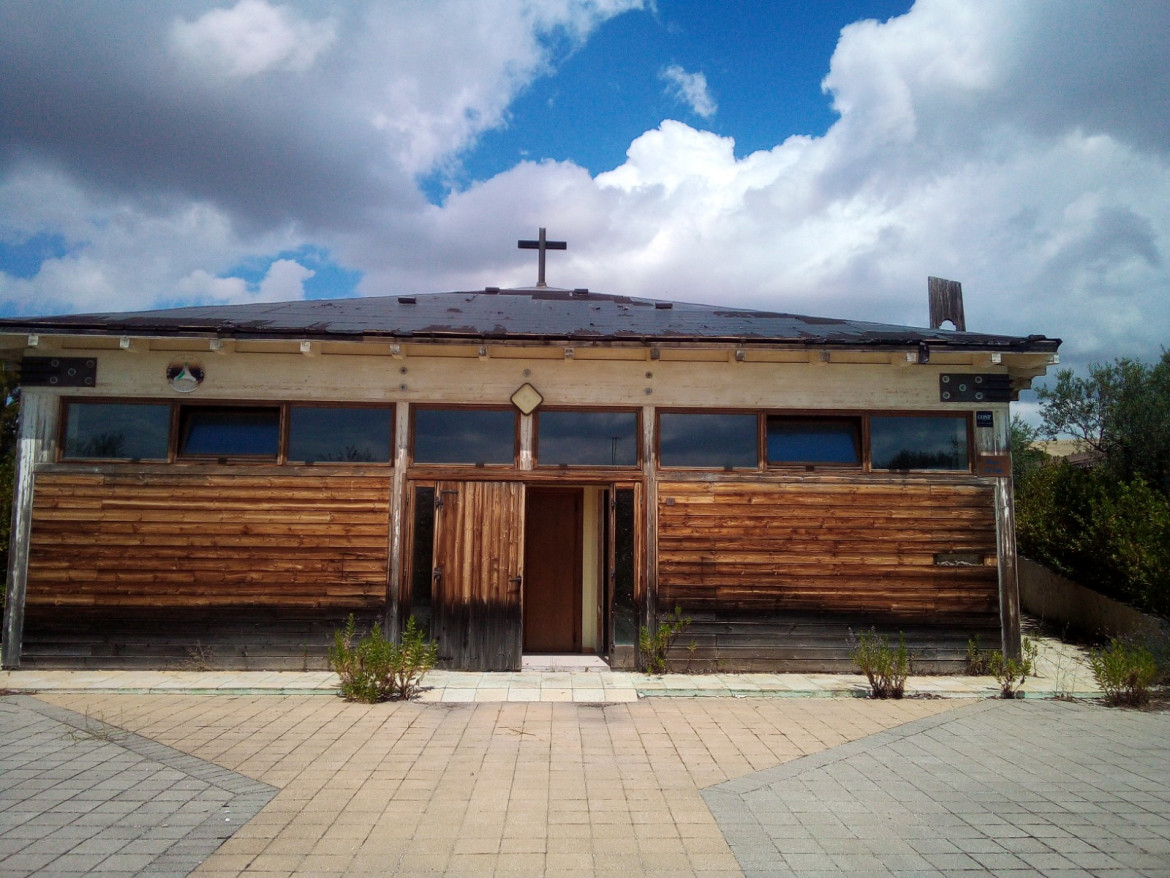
column 501, row 787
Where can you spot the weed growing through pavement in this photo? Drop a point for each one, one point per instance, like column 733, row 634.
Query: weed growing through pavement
column 654, row 647
column 1063, row 669
column 200, row 657
column 978, row 663
column 374, row 669
column 886, row 667
column 1009, row 673
column 94, row 729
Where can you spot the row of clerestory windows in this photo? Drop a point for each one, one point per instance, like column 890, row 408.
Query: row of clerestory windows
column 355, row 434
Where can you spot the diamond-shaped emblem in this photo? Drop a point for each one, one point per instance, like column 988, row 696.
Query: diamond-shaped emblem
column 527, row 399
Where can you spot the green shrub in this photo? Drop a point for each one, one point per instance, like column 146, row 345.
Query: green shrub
column 1009, row 673
column 374, row 669
column 1125, row 671
column 886, row 667
column 654, row 647
column 1105, row 533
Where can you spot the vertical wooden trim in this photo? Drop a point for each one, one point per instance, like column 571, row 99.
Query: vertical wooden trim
column 1009, row 585
column 38, row 423
column 999, row 442
column 398, row 543
column 527, row 449
column 514, row 536
column 650, row 516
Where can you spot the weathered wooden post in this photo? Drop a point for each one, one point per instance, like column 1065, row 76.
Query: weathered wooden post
column 38, row 426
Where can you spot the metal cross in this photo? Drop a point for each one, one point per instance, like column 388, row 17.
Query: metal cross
column 542, row 245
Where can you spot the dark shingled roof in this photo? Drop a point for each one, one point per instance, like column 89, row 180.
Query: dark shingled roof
column 521, row 314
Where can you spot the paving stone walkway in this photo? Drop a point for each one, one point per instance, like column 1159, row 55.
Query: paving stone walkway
column 112, row 783
column 499, row 789
column 996, row 788
column 81, row 797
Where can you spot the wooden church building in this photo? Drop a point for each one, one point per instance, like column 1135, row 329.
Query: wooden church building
column 525, row 471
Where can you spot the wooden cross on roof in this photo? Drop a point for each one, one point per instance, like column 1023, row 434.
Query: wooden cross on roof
column 542, row 245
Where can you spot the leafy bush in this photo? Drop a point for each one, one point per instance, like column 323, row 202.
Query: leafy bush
column 654, row 647
column 1110, row 535
column 886, row 667
column 1106, row 527
column 1125, row 671
column 375, row 669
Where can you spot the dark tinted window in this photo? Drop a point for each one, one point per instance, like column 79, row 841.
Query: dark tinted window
column 814, row 440
column 346, row 435
column 214, row 431
column 587, row 438
column 125, row 431
column 707, row 440
column 901, row 443
column 464, row 436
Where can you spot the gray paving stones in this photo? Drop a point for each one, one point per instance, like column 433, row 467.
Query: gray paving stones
column 78, row 797
column 994, row 788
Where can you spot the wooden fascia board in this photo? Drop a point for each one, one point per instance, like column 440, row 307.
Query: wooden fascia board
column 1039, row 357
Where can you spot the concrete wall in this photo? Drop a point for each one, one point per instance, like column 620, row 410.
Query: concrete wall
column 1066, row 604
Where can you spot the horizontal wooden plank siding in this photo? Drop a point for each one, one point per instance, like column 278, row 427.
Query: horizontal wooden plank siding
column 777, row 575
column 822, row 642
column 831, row 546
column 113, row 541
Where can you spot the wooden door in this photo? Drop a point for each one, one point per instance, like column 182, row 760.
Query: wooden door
column 553, row 570
column 479, row 569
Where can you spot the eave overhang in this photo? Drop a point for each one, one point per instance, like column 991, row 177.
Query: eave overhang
column 516, row 317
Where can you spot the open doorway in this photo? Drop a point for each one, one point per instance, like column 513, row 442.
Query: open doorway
column 570, row 592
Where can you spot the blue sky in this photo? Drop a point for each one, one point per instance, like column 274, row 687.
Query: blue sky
column 817, row 158
column 763, row 63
